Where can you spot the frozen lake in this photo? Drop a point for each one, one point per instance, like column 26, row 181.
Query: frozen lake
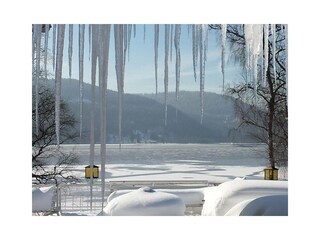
column 154, row 154
column 146, row 162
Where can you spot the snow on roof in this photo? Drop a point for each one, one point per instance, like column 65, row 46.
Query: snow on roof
column 219, row 200
column 145, row 202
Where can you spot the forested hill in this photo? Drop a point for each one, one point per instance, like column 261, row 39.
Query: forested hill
column 143, row 116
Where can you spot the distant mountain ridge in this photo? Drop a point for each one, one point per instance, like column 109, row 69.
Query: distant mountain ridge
column 143, row 116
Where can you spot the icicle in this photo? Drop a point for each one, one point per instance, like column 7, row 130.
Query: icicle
column 94, row 52
column 47, row 27
column 58, row 75
column 273, row 30
column 70, row 48
column 257, row 31
column 37, row 32
column 248, row 47
column 120, row 64
column 286, row 61
column 171, row 40
column 54, row 29
column 81, row 53
column 166, row 72
column 125, row 41
column 178, row 59
column 104, row 40
column 189, row 29
column 223, row 46
column 266, row 52
column 90, row 26
column 156, row 44
column 202, row 37
column 144, row 33
column 129, row 39
column 134, row 30
column 195, row 43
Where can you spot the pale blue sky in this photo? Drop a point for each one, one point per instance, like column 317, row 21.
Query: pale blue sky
column 139, row 70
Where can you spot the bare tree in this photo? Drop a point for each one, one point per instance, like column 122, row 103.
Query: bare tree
column 49, row 163
column 262, row 109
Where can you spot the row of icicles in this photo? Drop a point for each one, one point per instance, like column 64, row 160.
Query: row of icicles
column 99, row 40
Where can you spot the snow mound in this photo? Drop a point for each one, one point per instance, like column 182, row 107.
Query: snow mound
column 145, row 202
column 275, row 205
column 42, row 199
column 219, row 200
column 188, row 196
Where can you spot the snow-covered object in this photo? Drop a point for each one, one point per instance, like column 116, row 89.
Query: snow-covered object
column 188, row 196
column 219, row 200
column 273, row 205
column 145, row 202
column 42, row 198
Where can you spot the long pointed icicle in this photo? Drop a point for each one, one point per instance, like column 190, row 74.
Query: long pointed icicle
column 70, row 48
column 195, row 50
column 257, row 31
column 120, row 63
column 248, row 49
column 94, row 59
column 286, row 62
column 129, row 39
column 171, row 39
column 104, row 41
column 38, row 48
column 81, row 57
column 46, row 50
column 90, row 37
column 58, row 75
column 202, row 38
column 166, row 72
column 54, row 30
column 178, row 57
column 274, row 50
column 223, row 46
column 156, row 45
column 266, row 55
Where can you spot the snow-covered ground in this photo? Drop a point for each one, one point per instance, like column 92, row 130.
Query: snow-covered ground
column 195, row 166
